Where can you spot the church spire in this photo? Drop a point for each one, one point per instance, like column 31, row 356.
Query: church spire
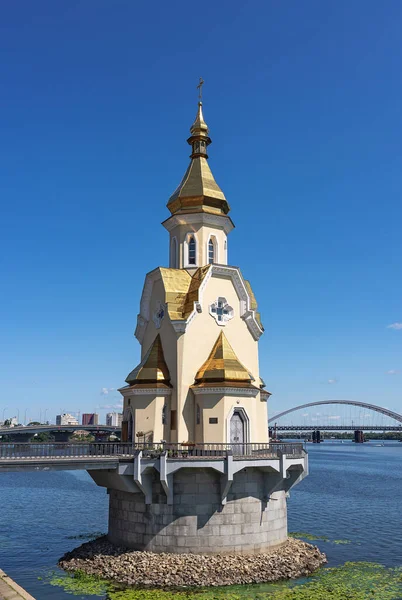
column 198, row 190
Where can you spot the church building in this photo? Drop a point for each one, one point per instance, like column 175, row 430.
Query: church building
column 196, row 471
column 198, row 325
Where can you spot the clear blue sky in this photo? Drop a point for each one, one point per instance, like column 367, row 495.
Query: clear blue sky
column 304, row 105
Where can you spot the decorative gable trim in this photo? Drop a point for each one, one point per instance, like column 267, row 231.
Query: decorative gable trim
column 180, row 325
column 248, row 315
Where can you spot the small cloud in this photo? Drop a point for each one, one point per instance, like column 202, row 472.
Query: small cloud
column 331, row 381
column 105, row 391
column 305, row 415
column 335, row 417
column 396, row 325
column 393, row 372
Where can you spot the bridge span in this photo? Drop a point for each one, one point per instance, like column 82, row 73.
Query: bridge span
column 373, row 407
column 280, row 427
column 358, row 427
column 60, row 432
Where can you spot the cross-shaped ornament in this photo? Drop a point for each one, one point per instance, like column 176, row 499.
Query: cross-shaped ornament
column 220, row 311
column 199, row 87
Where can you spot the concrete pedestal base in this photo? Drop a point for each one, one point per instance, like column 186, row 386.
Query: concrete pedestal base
column 196, row 521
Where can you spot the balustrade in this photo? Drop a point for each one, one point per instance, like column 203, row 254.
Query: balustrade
column 61, row 450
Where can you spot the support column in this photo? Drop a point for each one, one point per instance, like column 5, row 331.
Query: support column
column 359, row 436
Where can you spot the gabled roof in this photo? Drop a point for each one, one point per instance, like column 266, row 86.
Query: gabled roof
column 153, row 368
column 181, row 290
column 222, row 365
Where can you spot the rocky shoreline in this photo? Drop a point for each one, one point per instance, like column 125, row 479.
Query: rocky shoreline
column 133, row 568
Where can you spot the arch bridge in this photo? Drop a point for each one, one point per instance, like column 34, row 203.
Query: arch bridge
column 357, row 428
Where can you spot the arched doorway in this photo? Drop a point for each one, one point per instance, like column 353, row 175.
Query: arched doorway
column 237, row 428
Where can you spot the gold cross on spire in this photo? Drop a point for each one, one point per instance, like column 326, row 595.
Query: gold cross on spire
column 199, row 87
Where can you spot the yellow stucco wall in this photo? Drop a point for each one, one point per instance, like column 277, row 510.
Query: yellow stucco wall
column 184, row 355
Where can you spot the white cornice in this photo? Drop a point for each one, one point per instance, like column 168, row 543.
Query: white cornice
column 225, row 391
column 194, row 218
column 179, row 325
column 126, row 392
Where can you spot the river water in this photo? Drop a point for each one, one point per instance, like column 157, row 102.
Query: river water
column 353, row 494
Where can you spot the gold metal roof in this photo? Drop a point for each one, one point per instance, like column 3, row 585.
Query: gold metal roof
column 198, row 190
column 152, row 368
column 199, row 126
column 181, row 290
column 176, row 283
column 223, row 365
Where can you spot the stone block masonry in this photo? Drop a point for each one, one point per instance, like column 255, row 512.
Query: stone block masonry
column 197, row 522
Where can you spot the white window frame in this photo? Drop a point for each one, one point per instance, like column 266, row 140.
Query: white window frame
column 187, row 248
column 213, row 311
column 212, row 237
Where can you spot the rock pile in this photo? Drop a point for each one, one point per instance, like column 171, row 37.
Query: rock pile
column 129, row 567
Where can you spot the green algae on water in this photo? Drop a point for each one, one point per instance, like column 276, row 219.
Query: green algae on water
column 308, row 536
column 312, row 537
column 351, row 581
column 80, row 583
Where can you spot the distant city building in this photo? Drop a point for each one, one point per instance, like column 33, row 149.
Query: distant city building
column 9, row 422
column 66, row 419
column 90, row 419
column 114, row 419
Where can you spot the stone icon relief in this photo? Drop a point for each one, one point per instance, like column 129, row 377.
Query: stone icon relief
column 159, row 313
column 221, row 311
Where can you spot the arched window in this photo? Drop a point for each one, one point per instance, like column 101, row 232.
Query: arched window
column 164, row 414
column 173, row 254
column 211, row 252
column 191, row 250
